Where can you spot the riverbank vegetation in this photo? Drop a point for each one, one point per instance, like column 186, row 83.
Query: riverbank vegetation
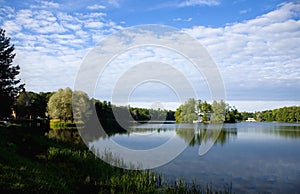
column 30, row 162
column 285, row 114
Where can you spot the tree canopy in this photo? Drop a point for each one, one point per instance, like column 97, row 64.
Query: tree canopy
column 10, row 85
column 216, row 112
column 285, row 114
column 31, row 105
column 60, row 105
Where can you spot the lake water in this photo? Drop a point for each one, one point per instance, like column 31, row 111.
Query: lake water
column 253, row 157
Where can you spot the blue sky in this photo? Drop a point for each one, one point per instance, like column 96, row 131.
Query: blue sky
column 254, row 43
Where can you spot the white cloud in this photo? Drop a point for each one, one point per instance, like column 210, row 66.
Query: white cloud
column 92, row 7
column 45, row 4
column 6, row 12
column 180, row 19
column 259, row 53
column 252, row 106
column 50, row 44
column 12, row 27
column 188, row 3
column 114, row 3
column 93, row 24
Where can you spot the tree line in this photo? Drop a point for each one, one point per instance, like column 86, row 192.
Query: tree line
column 68, row 105
column 285, row 114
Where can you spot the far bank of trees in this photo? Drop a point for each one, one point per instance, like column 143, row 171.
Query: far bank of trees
column 58, row 105
column 75, row 106
column 285, row 114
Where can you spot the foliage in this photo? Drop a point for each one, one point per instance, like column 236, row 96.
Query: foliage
column 245, row 115
column 285, row 114
column 30, row 105
column 67, row 105
column 205, row 109
column 233, row 115
column 218, row 109
column 143, row 114
column 9, row 84
column 215, row 112
column 81, row 106
column 59, row 107
column 186, row 113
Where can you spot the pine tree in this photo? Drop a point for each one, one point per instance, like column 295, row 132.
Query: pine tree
column 9, row 84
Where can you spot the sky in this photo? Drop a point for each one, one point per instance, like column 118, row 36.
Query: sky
column 255, row 44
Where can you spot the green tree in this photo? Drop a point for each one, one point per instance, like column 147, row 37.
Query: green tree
column 31, row 105
column 297, row 114
column 177, row 114
column 232, row 114
column 9, row 84
column 204, row 109
column 60, row 105
column 219, row 110
column 186, row 113
column 82, row 106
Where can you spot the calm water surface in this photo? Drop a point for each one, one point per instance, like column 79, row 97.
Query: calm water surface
column 253, row 157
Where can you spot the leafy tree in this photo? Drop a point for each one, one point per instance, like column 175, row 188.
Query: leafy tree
column 9, row 84
column 60, row 105
column 178, row 114
column 297, row 114
column 218, row 109
column 81, row 106
column 30, row 105
column 186, row 113
column 232, row 114
column 246, row 115
column 67, row 105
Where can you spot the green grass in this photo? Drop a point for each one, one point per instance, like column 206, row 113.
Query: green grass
column 32, row 163
column 57, row 124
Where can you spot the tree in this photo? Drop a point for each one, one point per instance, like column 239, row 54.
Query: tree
column 205, row 110
column 60, row 105
column 186, row 113
column 178, row 113
column 219, row 109
column 82, row 106
column 31, row 105
column 10, row 86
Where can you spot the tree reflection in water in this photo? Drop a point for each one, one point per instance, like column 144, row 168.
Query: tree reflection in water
column 201, row 135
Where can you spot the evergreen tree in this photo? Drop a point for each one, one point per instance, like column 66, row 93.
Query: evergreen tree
column 9, row 85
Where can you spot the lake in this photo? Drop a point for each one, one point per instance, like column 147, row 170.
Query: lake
column 252, row 157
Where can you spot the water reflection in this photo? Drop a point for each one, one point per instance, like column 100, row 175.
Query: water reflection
column 253, row 156
column 65, row 135
column 287, row 131
column 201, row 135
column 192, row 134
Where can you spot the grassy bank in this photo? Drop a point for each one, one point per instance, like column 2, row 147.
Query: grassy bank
column 32, row 163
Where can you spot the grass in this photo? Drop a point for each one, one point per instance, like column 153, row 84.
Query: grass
column 32, row 163
column 57, row 124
